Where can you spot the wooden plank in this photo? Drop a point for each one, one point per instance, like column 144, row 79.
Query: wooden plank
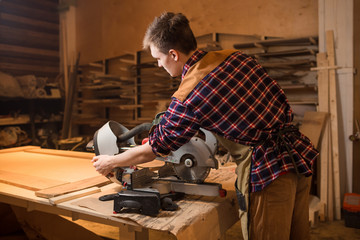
column 29, row 21
column 22, row 10
column 74, row 195
column 29, row 182
column 323, row 96
column 356, row 144
column 27, row 38
column 30, row 68
column 32, row 62
column 8, row 48
column 73, row 187
column 330, row 47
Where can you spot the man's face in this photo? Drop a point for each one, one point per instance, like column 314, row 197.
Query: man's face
column 167, row 61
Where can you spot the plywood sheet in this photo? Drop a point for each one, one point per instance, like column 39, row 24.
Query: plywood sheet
column 28, row 182
column 62, row 168
column 36, row 169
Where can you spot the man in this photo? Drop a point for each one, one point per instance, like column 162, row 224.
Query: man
column 231, row 95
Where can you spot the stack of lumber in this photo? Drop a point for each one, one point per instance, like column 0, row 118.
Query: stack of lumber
column 107, row 90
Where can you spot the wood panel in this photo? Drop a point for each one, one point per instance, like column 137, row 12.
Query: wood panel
column 113, row 30
column 54, row 165
column 33, row 183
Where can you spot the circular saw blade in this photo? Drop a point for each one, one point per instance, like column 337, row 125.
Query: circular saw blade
column 192, row 172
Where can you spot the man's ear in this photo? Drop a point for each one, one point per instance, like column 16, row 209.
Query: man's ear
column 174, row 54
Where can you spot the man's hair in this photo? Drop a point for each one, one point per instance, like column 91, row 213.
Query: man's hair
column 170, row 31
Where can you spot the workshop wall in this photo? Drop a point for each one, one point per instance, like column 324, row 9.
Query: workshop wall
column 110, row 28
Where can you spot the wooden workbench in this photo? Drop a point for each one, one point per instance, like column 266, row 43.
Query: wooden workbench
column 41, row 185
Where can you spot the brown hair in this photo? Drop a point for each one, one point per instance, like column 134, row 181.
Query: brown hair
column 170, row 31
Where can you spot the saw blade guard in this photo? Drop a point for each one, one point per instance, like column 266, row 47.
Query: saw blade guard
column 203, row 149
column 192, row 161
column 106, row 138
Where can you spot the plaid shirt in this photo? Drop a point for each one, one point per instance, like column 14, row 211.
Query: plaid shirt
column 240, row 102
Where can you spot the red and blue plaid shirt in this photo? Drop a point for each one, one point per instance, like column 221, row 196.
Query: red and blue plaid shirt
column 240, row 102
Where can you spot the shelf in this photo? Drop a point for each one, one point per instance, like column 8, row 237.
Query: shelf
column 24, row 119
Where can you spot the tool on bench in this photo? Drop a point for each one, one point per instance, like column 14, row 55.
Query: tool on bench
column 184, row 170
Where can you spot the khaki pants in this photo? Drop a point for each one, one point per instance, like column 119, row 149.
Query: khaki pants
column 281, row 210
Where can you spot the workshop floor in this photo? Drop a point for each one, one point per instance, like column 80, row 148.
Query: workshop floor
column 335, row 230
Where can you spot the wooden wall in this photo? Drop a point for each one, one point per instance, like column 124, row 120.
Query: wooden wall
column 29, row 37
column 110, row 28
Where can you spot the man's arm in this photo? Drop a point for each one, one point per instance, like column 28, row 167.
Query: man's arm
column 140, row 154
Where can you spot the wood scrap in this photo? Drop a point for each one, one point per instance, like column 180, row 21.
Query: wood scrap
column 73, row 195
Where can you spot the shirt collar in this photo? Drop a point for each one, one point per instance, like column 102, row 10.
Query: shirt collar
column 198, row 54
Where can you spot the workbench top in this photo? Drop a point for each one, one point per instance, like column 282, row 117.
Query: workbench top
column 65, row 183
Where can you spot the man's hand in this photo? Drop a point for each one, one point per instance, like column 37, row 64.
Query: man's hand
column 103, row 164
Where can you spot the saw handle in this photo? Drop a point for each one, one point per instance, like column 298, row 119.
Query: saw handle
column 130, row 204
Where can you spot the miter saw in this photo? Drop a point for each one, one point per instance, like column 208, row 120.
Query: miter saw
column 184, row 170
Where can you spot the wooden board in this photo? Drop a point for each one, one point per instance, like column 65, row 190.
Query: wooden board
column 330, row 47
column 325, row 156
column 313, row 125
column 46, row 165
column 74, row 195
column 48, row 172
column 73, row 187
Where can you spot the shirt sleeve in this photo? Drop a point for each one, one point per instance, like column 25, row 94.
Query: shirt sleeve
column 178, row 125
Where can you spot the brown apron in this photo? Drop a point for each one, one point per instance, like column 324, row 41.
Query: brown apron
column 242, row 156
